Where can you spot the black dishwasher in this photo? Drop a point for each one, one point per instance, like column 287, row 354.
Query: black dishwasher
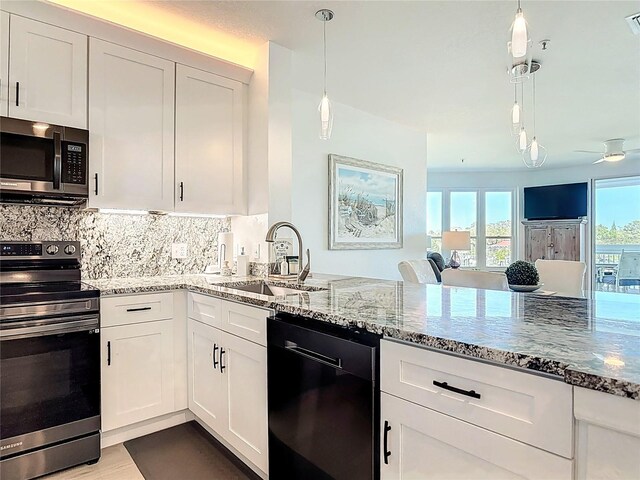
column 323, row 400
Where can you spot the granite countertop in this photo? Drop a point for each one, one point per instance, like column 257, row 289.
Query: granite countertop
column 591, row 343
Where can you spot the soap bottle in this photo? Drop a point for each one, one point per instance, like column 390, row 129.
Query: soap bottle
column 226, row 269
column 284, row 267
column 242, row 264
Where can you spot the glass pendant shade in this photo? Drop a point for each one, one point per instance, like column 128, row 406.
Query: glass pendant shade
column 516, row 112
column 535, row 154
column 522, row 140
column 519, row 36
column 326, row 117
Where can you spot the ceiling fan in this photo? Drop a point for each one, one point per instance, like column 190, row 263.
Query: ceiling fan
column 613, row 151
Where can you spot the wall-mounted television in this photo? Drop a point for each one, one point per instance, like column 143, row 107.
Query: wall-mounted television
column 552, row 202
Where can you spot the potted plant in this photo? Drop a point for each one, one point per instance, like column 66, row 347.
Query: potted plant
column 523, row 276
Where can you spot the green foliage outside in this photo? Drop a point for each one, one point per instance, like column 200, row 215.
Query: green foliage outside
column 628, row 234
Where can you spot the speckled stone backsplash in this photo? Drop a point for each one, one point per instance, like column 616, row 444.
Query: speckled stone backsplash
column 119, row 245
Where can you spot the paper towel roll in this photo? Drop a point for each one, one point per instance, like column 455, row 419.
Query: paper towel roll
column 225, row 238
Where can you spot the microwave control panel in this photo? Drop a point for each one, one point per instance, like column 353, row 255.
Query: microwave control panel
column 74, row 163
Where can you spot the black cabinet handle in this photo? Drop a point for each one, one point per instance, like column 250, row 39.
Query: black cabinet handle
column 182, row 191
column 446, row 386
column 215, row 362
column 222, row 365
column 96, row 179
column 387, row 452
column 17, row 94
column 138, row 309
column 108, row 353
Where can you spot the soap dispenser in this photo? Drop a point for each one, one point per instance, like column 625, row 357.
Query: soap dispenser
column 242, row 268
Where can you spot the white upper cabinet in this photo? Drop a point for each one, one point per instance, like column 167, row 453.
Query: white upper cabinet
column 4, row 63
column 48, row 73
column 131, row 124
column 209, row 143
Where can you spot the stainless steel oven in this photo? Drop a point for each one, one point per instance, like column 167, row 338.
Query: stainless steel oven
column 49, row 360
column 43, row 163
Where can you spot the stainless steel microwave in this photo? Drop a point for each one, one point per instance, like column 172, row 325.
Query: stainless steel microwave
column 42, row 163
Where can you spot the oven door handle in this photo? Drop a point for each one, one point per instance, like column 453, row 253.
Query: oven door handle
column 58, row 328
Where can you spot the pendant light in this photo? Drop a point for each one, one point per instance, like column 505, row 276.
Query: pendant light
column 535, row 155
column 516, row 113
column 519, row 35
column 519, row 49
column 521, row 144
column 325, row 108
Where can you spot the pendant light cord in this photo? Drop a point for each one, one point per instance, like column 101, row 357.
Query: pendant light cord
column 534, row 105
column 324, row 42
column 522, row 106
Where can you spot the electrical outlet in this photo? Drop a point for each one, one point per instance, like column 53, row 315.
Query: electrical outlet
column 179, row 250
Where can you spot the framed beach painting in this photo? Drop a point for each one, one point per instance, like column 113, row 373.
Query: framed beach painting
column 365, row 205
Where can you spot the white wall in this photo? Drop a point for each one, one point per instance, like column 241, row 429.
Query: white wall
column 364, row 136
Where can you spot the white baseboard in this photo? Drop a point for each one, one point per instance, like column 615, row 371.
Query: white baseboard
column 140, row 429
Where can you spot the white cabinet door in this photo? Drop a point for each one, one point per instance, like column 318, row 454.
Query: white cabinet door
column 48, row 73
column 137, row 373
column 207, row 398
column 4, row 63
column 607, row 436
column 131, row 120
column 209, row 143
column 244, row 366
column 423, row 443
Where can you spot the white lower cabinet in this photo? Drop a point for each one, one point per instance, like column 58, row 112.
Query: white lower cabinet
column 424, row 444
column 204, row 378
column 228, row 388
column 137, row 373
column 607, row 436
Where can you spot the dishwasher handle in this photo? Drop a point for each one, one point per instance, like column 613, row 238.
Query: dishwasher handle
column 318, row 357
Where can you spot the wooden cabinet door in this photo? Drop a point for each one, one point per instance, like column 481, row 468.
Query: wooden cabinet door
column 537, row 243
column 423, row 443
column 48, row 73
column 137, row 373
column 131, row 124
column 4, row 64
column 245, row 378
column 207, row 398
column 565, row 241
column 209, row 143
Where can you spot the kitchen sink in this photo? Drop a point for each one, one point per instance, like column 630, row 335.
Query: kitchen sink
column 263, row 288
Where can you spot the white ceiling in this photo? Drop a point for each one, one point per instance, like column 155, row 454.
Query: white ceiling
column 440, row 66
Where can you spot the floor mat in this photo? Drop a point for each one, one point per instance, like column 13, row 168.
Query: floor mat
column 186, row 451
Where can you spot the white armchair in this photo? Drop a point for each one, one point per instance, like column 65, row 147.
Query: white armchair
column 562, row 276
column 475, row 279
column 417, row 271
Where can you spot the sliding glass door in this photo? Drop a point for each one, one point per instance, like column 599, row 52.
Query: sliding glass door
column 616, row 246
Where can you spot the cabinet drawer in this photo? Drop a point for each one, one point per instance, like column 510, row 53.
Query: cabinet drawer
column 205, row 309
column 419, row 443
column 523, row 406
column 246, row 322
column 136, row 309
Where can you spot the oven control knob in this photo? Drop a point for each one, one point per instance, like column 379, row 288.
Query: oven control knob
column 70, row 249
column 52, row 249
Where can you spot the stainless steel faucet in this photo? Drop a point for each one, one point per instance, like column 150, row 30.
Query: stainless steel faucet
column 271, row 236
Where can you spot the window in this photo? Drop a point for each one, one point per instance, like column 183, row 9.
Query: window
column 463, row 213
column 497, row 224
column 434, row 220
column 486, row 214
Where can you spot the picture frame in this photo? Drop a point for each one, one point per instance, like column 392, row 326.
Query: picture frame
column 365, row 205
